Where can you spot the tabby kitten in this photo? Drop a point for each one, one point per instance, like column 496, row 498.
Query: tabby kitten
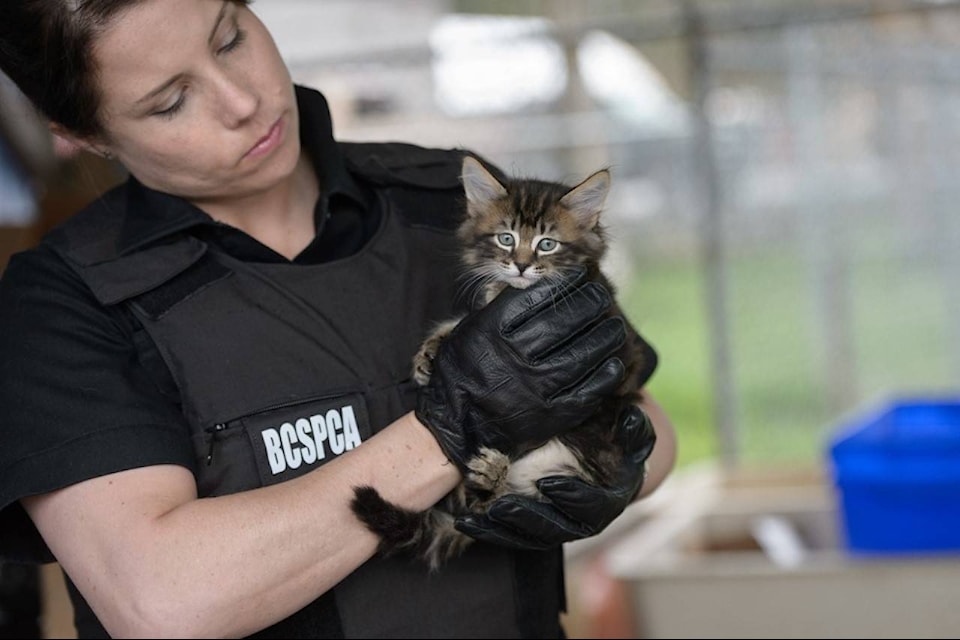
column 516, row 232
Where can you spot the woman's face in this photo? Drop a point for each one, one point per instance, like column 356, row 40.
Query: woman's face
column 196, row 99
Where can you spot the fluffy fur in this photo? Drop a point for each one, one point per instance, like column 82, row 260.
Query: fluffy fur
column 516, row 231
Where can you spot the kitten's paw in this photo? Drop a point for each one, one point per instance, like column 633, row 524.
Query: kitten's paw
column 487, row 477
column 423, row 367
column 423, row 361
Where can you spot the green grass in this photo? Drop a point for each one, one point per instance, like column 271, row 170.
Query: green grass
column 665, row 303
column 900, row 340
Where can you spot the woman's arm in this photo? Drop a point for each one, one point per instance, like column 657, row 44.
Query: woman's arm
column 664, row 454
column 153, row 560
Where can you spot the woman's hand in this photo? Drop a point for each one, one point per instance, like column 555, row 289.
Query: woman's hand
column 530, row 365
column 575, row 509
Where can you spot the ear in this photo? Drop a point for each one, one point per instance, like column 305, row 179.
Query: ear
column 586, row 200
column 479, row 184
column 95, row 147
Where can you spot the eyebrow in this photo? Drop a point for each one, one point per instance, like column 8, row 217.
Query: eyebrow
column 220, row 17
column 166, row 85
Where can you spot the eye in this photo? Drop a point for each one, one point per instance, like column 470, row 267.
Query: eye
column 547, row 245
column 174, row 109
column 506, row 240
column 237, row 40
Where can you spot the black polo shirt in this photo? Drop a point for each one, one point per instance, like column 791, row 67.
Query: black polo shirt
column 78, row 398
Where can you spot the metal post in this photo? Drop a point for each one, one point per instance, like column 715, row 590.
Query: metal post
column 823, row 224
column 711, row 238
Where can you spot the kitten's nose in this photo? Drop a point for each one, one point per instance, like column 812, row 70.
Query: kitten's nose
column 521, row 266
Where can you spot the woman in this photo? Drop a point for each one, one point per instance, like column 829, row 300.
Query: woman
column 188, row 366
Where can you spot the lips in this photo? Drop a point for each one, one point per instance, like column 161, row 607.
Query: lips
column 270, row 141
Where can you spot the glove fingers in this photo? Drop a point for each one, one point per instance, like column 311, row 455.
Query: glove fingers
column 567, row 315
column 601, row 383
column 486, row 530
column 589, row 349
column 635, row 433
column 539, row 521
column 582, row 501
column 517, row 306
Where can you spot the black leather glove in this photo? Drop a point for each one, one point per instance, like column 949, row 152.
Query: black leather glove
column 531, row 364
column 575, row 509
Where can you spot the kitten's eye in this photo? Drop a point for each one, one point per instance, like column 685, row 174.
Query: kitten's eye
column 506, row 240
column 547, row 245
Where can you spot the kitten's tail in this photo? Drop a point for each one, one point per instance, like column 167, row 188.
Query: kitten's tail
column 429, row 534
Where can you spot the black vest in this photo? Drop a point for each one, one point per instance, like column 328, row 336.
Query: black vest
column 280, row 368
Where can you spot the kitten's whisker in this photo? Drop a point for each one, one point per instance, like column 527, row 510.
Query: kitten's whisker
column 565, row 295
column 471, row 277
column 475, row 283
column 467, row 280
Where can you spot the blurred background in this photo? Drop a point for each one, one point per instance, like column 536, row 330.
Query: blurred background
column 783, row 232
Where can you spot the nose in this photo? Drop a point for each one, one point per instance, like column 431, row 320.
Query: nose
column 521, row 266
column 237, row 103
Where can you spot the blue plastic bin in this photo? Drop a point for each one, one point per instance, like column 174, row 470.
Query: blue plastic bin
column 897, row 473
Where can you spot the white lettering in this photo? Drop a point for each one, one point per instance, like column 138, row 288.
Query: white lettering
column 335, row 431
column 288, row 435
column 271, row 440
column 319, row 434
column 351, row 431
column 309, row 448
column 302, row 441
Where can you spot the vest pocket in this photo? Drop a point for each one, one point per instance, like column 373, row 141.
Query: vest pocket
column 278, row 443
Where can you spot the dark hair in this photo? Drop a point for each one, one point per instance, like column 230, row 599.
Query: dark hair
column 46, row 49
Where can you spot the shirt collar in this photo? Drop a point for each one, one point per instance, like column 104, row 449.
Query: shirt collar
column 153, row 215
column 316, row 136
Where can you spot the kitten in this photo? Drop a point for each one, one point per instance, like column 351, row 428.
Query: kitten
column 516, row 232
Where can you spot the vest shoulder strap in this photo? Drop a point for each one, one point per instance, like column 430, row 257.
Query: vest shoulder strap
column 92, row 235
column 424, row 183
column 89, row 243
column 402, row 164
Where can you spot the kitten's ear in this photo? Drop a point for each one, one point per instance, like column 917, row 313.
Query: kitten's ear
column 480, row 185
column 586, row 200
